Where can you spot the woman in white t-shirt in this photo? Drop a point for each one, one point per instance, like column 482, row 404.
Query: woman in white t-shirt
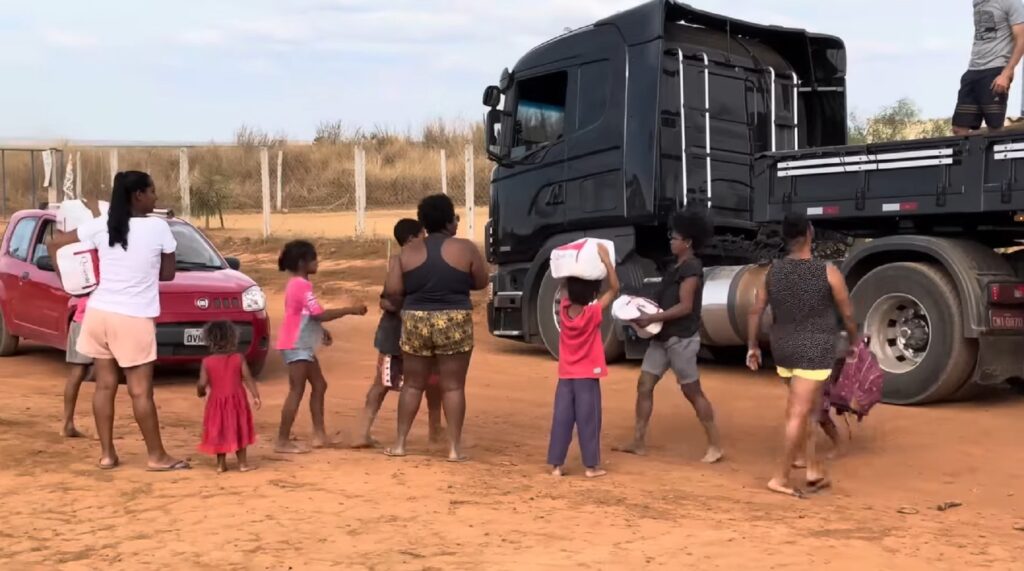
column 136, row 253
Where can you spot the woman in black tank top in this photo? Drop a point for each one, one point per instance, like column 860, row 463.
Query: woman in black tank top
column 806, row 296
column 432, row 282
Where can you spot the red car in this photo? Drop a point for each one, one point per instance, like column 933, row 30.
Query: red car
column 207, row 287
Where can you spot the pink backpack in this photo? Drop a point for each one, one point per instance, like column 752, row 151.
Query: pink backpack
column 859, row 386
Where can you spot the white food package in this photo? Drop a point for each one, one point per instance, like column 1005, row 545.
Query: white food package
column 79, row 268
column 627, row 308
column 580, row 259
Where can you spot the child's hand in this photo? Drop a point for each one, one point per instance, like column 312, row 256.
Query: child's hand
column 359, row 309
column 257, row 403
column 328, row 338
column 201, row 391
column 602, row 253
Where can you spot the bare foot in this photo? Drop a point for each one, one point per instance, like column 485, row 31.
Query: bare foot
column 638, row 448
column 246, row 468
column 221, row 468
column 800, row 464
column 289, row 447
column 781, row 488
column 557, row 472
column 109, row 463
column 595, row 473
column 70, row 431
column 394, row 452
column 365, row 444
column 322, row 441
column 456, row 456
column 713, row 455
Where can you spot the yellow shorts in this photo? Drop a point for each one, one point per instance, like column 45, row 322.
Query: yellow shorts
column 820, row 375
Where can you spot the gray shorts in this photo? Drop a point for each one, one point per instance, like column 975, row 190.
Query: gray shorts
column 72, row 356
column 677, row 354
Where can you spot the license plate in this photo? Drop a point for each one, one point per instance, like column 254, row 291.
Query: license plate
column 194, row 337
column 1006, row 319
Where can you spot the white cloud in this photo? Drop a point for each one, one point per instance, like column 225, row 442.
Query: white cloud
column 68, row 39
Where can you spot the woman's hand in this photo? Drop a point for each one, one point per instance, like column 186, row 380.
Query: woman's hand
column 328, row 339
column 754, row 358
column 645, row 320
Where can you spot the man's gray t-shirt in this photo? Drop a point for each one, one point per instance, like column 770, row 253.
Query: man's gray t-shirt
column 993, row 32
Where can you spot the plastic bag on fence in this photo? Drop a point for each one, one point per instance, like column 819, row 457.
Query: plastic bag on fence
column 580, row 259
column 858, row 387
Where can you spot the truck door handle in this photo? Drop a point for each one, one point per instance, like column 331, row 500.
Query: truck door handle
column 556, row 195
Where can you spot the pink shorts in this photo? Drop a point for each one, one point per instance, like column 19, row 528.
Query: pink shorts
column 131, row 341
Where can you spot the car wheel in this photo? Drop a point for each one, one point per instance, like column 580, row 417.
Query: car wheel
column 549, row 297
column 911, row 311
column 8, row 342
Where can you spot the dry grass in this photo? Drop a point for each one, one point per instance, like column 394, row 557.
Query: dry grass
column 400, row 170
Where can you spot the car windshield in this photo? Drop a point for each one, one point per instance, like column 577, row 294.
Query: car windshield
column 194, row 252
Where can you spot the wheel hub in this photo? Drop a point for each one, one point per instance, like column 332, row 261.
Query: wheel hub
column 900, row 332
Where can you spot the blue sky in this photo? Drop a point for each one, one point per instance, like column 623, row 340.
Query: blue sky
column 197, row 69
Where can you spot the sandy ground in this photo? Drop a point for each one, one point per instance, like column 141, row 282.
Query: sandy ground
column 361, row 510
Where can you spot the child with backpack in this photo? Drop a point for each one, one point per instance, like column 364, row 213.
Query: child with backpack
column 581, row 363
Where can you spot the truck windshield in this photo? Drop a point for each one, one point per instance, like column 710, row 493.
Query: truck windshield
column 540, row 110
column 194, row 252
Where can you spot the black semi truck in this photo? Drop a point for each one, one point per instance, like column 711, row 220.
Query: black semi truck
column 609, row 130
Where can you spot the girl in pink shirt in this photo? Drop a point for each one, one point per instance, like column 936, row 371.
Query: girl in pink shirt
column 299, row 336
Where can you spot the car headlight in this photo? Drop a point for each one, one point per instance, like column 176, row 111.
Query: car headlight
column 253, row 299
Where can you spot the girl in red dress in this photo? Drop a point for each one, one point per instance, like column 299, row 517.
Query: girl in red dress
column 227, row 422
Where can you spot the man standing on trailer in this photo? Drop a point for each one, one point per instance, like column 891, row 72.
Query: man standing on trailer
column 998, row 48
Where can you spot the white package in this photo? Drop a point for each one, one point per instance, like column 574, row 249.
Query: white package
column 580, row 259
column 627, row 308
column 79, row 268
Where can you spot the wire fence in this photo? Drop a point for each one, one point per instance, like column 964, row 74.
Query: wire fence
column 284, row 190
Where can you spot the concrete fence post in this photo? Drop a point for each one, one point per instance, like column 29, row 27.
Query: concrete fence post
column 265, row 180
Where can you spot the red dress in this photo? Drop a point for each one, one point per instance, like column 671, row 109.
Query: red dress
column 227, row 422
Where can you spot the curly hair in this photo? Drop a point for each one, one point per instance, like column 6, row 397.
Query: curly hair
column 694, row 226
column 221, row 337
column 294, row 253
column 436, row 212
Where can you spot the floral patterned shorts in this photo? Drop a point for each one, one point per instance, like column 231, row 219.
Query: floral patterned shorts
column 430, row 333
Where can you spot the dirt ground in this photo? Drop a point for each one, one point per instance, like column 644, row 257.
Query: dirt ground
column 347, row 509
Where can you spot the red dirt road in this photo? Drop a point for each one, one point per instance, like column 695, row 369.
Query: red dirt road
column 360, row 510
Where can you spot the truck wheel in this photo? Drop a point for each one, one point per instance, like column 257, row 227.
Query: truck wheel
column 8, row 343
column 548, row 298
column 912, row 313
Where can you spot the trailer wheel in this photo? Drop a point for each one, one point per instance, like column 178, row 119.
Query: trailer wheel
column 912, row 313
column 548, row 298
column 8, row 342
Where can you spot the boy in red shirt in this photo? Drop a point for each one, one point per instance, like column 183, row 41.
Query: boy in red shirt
column 580, row 364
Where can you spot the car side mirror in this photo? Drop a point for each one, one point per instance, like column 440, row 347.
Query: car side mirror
column 45, row 263
column 234, row 263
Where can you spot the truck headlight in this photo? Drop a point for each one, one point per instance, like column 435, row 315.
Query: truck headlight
column 253, row 299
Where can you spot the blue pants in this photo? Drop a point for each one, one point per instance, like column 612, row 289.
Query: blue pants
column 577, row 402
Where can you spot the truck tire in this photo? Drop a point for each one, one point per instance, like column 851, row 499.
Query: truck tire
column 548, row 297
column 8, row 343
column 912, row 313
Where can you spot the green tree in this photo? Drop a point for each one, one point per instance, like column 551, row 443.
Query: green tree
column 897, row 122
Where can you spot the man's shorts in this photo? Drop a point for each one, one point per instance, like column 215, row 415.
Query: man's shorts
column 72, row 356
column 131, row 341
column 677, row 354
column 977, row 102
column 432, row 333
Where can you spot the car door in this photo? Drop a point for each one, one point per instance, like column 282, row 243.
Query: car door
column 43, row 293
column 15, row 272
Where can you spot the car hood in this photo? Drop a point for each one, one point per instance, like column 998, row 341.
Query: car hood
column 217, row 281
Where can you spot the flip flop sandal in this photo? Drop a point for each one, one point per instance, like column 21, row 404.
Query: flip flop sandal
column 112, row 466
column 390, row 454
column 819, row 485
column 176, row 467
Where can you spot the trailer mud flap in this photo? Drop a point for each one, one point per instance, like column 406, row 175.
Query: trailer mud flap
column 999, row 359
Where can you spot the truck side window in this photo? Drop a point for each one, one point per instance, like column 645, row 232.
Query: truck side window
column 21, row 238
column 594, row 86
column 44, row 236
column 540, row 109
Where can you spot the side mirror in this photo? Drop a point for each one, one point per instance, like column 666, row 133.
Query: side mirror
column 234, row 263
column 492, row 96
column 45, row 263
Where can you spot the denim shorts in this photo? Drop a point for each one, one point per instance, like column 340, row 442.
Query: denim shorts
column 298, row 356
